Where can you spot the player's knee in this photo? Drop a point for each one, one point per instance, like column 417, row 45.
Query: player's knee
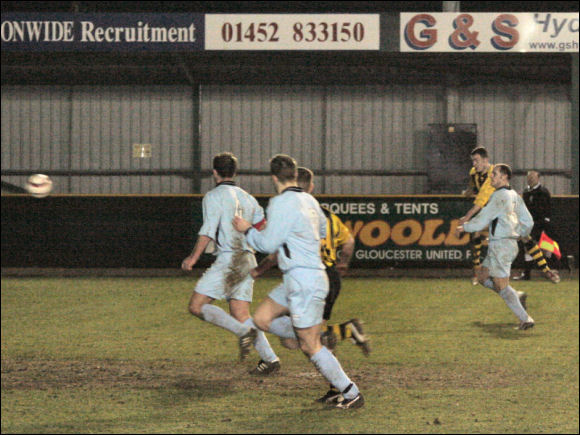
column 309, row 349
column 261, row 322
column 195, row 309
column 240, row 314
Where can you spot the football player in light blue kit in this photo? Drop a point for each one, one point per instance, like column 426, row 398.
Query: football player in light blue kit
column 296, row 224
column 228, row 277
column 508, row 219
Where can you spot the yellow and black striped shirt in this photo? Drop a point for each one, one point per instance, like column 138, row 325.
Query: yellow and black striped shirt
column 337, row 234
column 480, row 183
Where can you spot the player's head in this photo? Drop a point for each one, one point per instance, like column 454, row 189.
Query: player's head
column 225, row 165
column 480, row 159
column 533, row 178
column 284, row 168
column 305, row 179
column 501, row 175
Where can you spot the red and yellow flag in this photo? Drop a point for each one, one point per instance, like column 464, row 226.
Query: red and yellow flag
column 549, row 245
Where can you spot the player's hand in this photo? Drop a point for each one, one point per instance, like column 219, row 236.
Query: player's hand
column 468, row 193
column 240, row 224
column 254, row 273
column 188, row 263
column 459, row 230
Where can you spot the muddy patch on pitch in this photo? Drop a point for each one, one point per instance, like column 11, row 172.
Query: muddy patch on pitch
column 222, row 376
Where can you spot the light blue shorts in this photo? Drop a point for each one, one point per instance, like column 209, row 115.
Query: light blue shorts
column 500, row 256
column 303, row 292
column 229, row 277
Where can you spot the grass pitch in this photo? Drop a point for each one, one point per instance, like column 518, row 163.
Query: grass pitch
column 122, row 355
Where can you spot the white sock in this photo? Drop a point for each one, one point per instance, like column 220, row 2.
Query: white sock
column 261, row 344
column 282, row 327
column 219, row 317
column 510, row 297
column 330, row 368
column 489, row 284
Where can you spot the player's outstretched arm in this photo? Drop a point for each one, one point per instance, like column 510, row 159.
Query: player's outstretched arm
column 492, row 210
column 474, row 210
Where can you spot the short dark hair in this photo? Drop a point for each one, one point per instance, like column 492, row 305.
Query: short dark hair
column 283, row 167
column 304, row 178
column 504, row 169
column 225, row 164
column 481, row 151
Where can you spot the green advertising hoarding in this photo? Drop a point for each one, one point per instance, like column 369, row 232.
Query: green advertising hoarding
column 149, row 231
column 404, row 231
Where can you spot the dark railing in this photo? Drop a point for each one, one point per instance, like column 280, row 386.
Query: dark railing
column 186, row 173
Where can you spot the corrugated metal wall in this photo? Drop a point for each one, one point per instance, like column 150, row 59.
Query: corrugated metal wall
column 95, row 128
column 333, row 128
column 526, row 126
column 35, row 129
column 378, row 127
column 256, row 122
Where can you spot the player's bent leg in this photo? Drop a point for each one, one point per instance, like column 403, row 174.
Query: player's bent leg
column 330, row 368
column 200, row 306
column 196, row 303
column 484, row 278
column 240, row 310
column 267, row 312
column 329, row 338
column 353, row 329
column 513, row 301
column 290, row 343
column 309, row 340
column 500, row 283
column 534, row 251
column 269, row 362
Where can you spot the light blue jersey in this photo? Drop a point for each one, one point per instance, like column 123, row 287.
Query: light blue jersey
column 508, row 219
column 229, row 276
column 220, row 205
column 296, row 224
column 506, row 214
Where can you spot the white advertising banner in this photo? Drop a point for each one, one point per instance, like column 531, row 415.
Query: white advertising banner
column 292, row 32
column 489, row 32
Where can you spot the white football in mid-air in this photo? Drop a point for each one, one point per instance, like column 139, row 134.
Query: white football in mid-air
column 39, row 185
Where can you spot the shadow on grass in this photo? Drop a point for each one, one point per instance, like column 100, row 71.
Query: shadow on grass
column 502, row 330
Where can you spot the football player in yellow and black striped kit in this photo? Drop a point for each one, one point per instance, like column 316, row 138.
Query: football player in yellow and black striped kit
column 480, row 187
column 338, row 236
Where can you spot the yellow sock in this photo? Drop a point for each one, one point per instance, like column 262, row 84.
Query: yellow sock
column 536, row 253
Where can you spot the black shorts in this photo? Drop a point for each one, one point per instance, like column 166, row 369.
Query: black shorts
column 333, row 291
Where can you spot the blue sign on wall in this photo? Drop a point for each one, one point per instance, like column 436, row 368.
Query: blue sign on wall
column 102, row 32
